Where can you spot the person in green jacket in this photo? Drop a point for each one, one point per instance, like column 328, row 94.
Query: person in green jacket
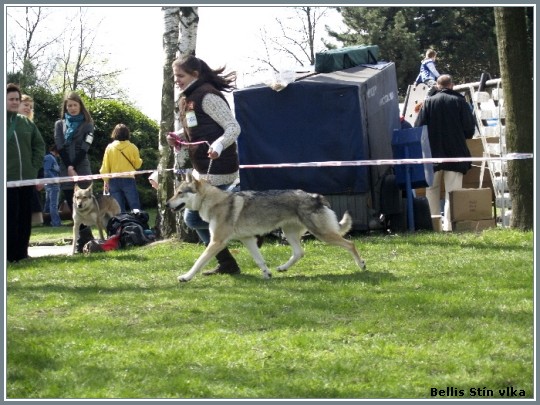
column 24, row 157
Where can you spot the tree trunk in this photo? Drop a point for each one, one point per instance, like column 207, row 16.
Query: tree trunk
column 516, row 74
column 179, row 39
column 166, row 219
column 187, row 41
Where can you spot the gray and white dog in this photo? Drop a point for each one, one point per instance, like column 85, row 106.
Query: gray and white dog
column 243, row 215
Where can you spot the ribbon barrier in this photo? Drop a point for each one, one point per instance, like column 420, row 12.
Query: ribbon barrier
column 378, row 162
column 381, row 162
column 68, row 179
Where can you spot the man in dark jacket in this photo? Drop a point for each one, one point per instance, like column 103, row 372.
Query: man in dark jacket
column 450, row 122
column 24, row 157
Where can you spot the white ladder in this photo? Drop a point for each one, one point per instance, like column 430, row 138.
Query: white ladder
column 490, row 116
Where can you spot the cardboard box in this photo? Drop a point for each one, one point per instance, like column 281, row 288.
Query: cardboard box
column 471, row 204
column 476, row 148
column 473, row 226
column 472, row 178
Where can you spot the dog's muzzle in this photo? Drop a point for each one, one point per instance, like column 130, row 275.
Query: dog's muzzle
column 177, row 208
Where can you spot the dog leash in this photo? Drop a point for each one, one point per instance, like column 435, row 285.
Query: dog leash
column 208, row 171
column 180, row 142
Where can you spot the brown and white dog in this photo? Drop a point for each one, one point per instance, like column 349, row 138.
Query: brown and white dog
column 91, row 210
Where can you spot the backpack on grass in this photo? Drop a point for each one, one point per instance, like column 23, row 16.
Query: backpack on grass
column 98, row 245
column 132, row 229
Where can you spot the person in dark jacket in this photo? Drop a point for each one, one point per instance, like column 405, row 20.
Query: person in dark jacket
column 209, row 125
column 73, row 136
column 24, row 157
column 428, row 72
column 51, row 169
column 450, row 123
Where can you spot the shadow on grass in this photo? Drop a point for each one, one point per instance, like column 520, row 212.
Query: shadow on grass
column 489, row 240
column 368, row 277
column 89, row 290
column 79, row 258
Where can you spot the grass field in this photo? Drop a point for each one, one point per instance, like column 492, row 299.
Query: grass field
column 435, row 313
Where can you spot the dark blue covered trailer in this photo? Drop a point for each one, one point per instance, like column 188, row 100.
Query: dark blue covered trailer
column 346, row 115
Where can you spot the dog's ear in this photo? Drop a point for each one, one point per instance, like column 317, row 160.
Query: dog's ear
column 189, row 176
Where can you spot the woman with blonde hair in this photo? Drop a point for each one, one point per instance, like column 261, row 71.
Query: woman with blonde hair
column 27, row 106
column 122, row 156
column 73, row 136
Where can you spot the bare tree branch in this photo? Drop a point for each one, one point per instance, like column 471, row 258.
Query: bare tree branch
column 297, row 38
column 75, row 65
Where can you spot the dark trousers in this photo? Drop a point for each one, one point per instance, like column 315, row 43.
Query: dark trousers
column 68, row 196
column 18, row 222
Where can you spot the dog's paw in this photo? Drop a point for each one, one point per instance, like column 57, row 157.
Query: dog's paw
column 267, row 276
column 282, row 268
column 363, row 266
column 183, row 278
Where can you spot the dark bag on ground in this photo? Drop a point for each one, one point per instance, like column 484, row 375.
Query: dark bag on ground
column 391, row 194
column 132, row 227
column 422, row 214
column 93, row 246
column 140, row 218
column 85, row 236
column 394, row 207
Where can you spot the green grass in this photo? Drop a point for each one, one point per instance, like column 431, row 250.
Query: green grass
column 434, row 310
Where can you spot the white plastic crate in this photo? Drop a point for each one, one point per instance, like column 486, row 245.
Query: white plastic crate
column 481, row 96
column 497, row 94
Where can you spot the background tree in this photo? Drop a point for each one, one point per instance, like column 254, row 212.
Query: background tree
column 388, row 28
column 80, row 67
column 517, row 81
column 464, row 38
column 59, row 57
column 179, row 39
column 27, row 58
column 294, row 39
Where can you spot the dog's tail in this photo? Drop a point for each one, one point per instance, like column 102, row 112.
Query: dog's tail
column 345, row 224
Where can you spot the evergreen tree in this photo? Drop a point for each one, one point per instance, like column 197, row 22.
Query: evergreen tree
column 464, row 38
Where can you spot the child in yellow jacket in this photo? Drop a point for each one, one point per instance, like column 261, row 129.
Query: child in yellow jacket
column 122, row 156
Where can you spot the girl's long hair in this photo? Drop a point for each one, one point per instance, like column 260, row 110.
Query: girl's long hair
column 216, row 77
column 74, row 96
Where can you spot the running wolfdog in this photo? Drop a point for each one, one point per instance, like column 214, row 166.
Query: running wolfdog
column 243, row 215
